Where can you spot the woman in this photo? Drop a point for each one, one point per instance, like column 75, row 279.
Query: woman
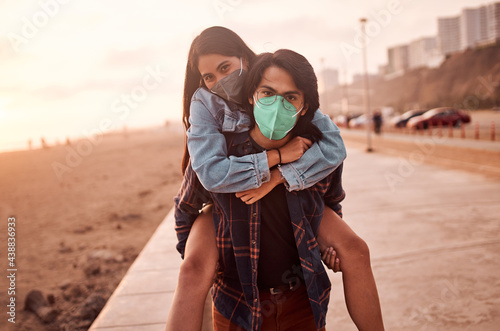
column 224, row 53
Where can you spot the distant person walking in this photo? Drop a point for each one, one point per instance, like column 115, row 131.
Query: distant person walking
column 377, row 121
column 43, row 143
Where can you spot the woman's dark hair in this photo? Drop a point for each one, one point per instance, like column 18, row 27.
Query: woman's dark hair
column 305, row 79
column 214, row 40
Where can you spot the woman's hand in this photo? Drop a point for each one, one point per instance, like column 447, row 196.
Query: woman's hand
column 329, row 257
column 254, row 195
column 294, row 149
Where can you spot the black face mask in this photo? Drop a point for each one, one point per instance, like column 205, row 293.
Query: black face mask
column 231, row 86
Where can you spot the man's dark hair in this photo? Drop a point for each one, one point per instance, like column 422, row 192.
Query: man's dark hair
column 305, row 79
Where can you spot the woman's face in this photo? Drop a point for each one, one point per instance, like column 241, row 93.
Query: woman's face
column 214, row 67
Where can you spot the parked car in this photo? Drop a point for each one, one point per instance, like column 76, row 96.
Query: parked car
column 358, row 122
column 439, row 116
column 401, row 120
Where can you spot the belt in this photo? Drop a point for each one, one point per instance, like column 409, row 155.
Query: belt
column 281, row 288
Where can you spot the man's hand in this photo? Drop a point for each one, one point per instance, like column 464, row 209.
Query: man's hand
column 254, row 195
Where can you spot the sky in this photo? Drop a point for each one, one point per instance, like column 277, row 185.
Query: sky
column 73, row 68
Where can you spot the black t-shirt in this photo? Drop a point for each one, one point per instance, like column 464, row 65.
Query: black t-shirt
column 278, row 251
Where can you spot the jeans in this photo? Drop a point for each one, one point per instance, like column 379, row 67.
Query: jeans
column 286, row 311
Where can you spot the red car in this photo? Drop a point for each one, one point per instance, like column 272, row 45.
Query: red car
column 439, row 116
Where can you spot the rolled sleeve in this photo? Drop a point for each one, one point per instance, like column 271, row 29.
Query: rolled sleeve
column 320, row 160
column 208, row 151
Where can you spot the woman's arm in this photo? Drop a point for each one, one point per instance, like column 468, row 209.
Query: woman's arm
column 253, row 195
column 318, row 161
column 208, row 151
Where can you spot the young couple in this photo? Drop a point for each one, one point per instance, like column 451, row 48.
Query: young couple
column 259, row 206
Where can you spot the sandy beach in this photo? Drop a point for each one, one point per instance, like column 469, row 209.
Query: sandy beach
column 81, row 219
column 78, row 230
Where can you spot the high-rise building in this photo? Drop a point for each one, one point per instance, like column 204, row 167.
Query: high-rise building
column 473, row 27
column 424, row 52
column 398, row 59
column 449, row 34
column 328, row 79
column 493, row 21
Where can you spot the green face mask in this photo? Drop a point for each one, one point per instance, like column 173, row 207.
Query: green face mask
column 272, row 118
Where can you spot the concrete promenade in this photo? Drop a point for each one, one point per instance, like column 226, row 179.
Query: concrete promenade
column 434, row 236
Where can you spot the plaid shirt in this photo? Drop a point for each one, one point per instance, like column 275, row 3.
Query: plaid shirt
column 237, row 225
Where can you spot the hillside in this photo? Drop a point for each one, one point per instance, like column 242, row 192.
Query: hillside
column 468, row 80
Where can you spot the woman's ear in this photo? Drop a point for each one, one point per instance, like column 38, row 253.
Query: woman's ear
column 246, row 65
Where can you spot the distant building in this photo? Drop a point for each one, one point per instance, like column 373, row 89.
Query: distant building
column 473, row 27
column 397, row 59
column 493, row 21
column 383, row 70
column 424, row 52
column 449, row 34
column 328, row 79
column 361, row 77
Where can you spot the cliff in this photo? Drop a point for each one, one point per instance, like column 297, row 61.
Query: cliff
column 467, row 80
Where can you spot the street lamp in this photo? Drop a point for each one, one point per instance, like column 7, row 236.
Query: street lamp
column 367, row 90
column 325, row 86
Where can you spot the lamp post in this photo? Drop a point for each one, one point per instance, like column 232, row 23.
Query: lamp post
column 325, row 86
column 367, row 91
column 345, row 97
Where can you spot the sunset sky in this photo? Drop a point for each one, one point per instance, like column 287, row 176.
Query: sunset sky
column 67, row 67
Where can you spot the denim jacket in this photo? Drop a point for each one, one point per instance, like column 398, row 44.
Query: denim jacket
column 211, row 116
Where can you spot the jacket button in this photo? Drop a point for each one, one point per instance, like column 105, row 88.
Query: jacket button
column 253, row 242
column 254, row 214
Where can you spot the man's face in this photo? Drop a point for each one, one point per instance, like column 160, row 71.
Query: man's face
column 277, row 81
column 278, row 103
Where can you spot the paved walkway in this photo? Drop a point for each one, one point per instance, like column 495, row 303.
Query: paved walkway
column 434, row 236
column 444, row 140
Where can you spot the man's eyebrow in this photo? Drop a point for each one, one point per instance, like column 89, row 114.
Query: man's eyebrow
column 267, row 87
column 273, row 90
